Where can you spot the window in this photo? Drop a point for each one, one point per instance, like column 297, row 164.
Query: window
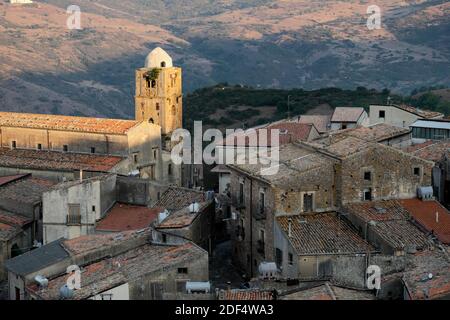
column 17, row 293
column 92, row 149
column 13, row 144
column 174, row 110
column 291, row 258
column 39, row 146
column 93, row 208
column 65, row 148
column 344, row 126
column 367, row 195
column 241, row 193
column 135, row 158
column 368, row 176
column 153, row 84
column 155, row 154
column 157, row 106
column 169, row 169
column 278, row 257
column 307, row 202
column 382, row 114
column 164, row 238
column 262, row 202
column 183, row 270
column 417, row 171
column 74, row 216
column 163, row 64
column 261, row 235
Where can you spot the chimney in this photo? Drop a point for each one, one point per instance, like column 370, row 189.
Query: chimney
column 290, row 227
column 81, row 174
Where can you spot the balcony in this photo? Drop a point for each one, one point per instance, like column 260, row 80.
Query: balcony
column 74, row 219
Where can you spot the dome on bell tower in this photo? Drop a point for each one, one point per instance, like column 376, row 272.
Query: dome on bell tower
column 158, row 58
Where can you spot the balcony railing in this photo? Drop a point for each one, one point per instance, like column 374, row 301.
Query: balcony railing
column 74, row 219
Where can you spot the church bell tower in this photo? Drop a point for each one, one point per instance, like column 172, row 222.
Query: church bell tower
column 159, row 95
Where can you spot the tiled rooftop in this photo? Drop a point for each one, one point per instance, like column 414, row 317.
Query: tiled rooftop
column 375, row 133
column 419, row 112
column 246, row 294
column 177, row 198
column 424, row 213
column 58, row 161
column 26, row 190
column 320, row 122
column 328, row 291
column 7, row 179
column 342, row 146
column 417, row 281
column 90, row 243
column 431, row 150
column 378, row 210
column 66, row 123
column 391, row 221
column 289, row 132
column 124, row 217
column 111, row 272
column 294, row 160
column 13, row 219
column 347, row 114
column 322, row 233
column 8, row 231
column 182, row 218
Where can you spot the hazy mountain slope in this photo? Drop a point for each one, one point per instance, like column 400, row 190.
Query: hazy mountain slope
column 263, row 43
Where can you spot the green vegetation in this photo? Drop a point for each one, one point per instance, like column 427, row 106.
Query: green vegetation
column 430, row 101
column 242, row 103
column 152, row 74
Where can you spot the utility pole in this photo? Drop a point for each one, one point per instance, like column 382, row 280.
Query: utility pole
column 289, row 107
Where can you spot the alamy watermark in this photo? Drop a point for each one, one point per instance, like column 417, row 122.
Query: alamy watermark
column 255, row 147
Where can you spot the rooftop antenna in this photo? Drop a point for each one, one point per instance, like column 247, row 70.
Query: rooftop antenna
column 389, row 100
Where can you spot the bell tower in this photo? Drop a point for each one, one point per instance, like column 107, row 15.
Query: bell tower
column 159, row 95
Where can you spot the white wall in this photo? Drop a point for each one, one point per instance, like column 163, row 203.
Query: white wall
column 393, row 116
column 121, row 292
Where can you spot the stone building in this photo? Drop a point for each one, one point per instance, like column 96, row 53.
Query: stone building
column 348, row 117
column 400, row 115
column 159, row 101
column 315, row 177
column 71, row 209
column 117, row 266
column 143, row 144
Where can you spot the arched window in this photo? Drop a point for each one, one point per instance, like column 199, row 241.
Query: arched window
column 163, row 64
column 151, row 120
column 153, row 83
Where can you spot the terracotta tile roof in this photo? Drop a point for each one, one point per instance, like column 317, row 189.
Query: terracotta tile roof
column 26, row 190
column 431, row 150
column 378, row 210
column 419, row 112
column 375, row 133
column 328, row 291
column 246, row 294
column 58, row 161
column 419, row 285
column 424, row 213
column 289, row 132
column 177, row 198
column 7, row 231
column 401, row 234
column 7, row 179
column 343, row 147
column 91, row 243
column 66, row 123
column 183, row 218
column 320, row 122
column 294, row 160
column 391, row 221
column 322, row 233
column 13, row 219
column 129, row 266
column 347, row 114
column 123, row 217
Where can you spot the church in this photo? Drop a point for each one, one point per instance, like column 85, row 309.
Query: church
column 64, row 147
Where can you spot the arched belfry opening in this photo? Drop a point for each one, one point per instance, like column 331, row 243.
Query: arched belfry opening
column 163, row 64
column 151, row 121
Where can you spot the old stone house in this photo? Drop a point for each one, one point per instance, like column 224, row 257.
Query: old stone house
column 315, row 177
column 400, row 115
column 117, row 266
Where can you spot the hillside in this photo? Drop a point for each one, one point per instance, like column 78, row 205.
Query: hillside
column 306, row 44
column 224, row 106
